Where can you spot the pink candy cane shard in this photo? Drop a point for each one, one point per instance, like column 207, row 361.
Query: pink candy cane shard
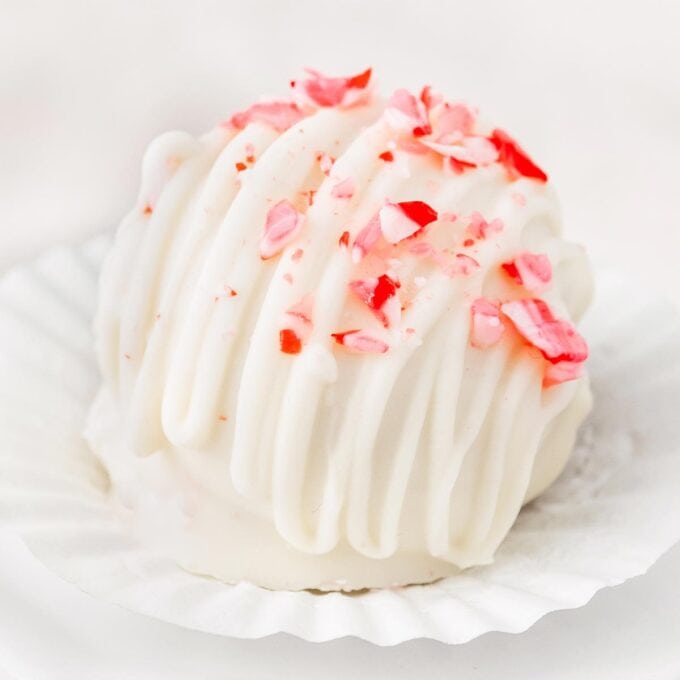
column 360, row 341
column 401, row 220
column 282, row 225
column 532, row 271
column 486, row 327
column 343, row 189
column 324, row 91
column 366, row 238
column 561, row 372
column 405, row 113
column 299, row 317
column 278, row 115
column 556, row 339
column 473, row 150
column 481, row 229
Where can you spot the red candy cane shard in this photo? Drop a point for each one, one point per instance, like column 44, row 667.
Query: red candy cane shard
column 403, row 220
column 380, row 296
column 289, row 341
column 514, row 158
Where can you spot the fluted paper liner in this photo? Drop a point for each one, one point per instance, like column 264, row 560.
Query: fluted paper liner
column 612, row 513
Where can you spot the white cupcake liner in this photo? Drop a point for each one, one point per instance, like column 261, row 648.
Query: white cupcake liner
column 609, row 517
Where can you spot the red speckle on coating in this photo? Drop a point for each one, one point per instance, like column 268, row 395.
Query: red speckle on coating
column 386, row 156
column 223, row 418
column 344, row 239
column 147, row 210
column 290, row 341
column 240, row 167
column 514, row 158
column 468, row 242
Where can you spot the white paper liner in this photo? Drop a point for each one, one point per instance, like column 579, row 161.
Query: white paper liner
column 609, row 517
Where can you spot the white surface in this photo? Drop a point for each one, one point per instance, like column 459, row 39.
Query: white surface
column 591, row 88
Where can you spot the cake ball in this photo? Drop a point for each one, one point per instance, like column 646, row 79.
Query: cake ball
column 337, row 340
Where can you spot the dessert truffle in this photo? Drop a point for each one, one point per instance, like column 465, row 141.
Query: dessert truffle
column 337, row 341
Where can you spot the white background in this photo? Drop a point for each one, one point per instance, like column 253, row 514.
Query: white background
column 592, row 89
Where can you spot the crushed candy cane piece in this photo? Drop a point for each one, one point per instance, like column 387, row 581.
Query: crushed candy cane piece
column 278, row 115
column 344, row 239
column 282, row 225
column 530, row 270
column 325, row 91
column 343, row 189
column 556, row 339
column 402, row 220
column 289, row 341
column 325, row 162
column 479, row 228
column 386, row 156
column 514, row 158
column 380, row 296
column 486, row 326
column 430, row 98
column 563, row 371
column 462, row 265
column 240, row 167
column 366, row 238
column 472, row 150
column 405, row 113
column 360, row 341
